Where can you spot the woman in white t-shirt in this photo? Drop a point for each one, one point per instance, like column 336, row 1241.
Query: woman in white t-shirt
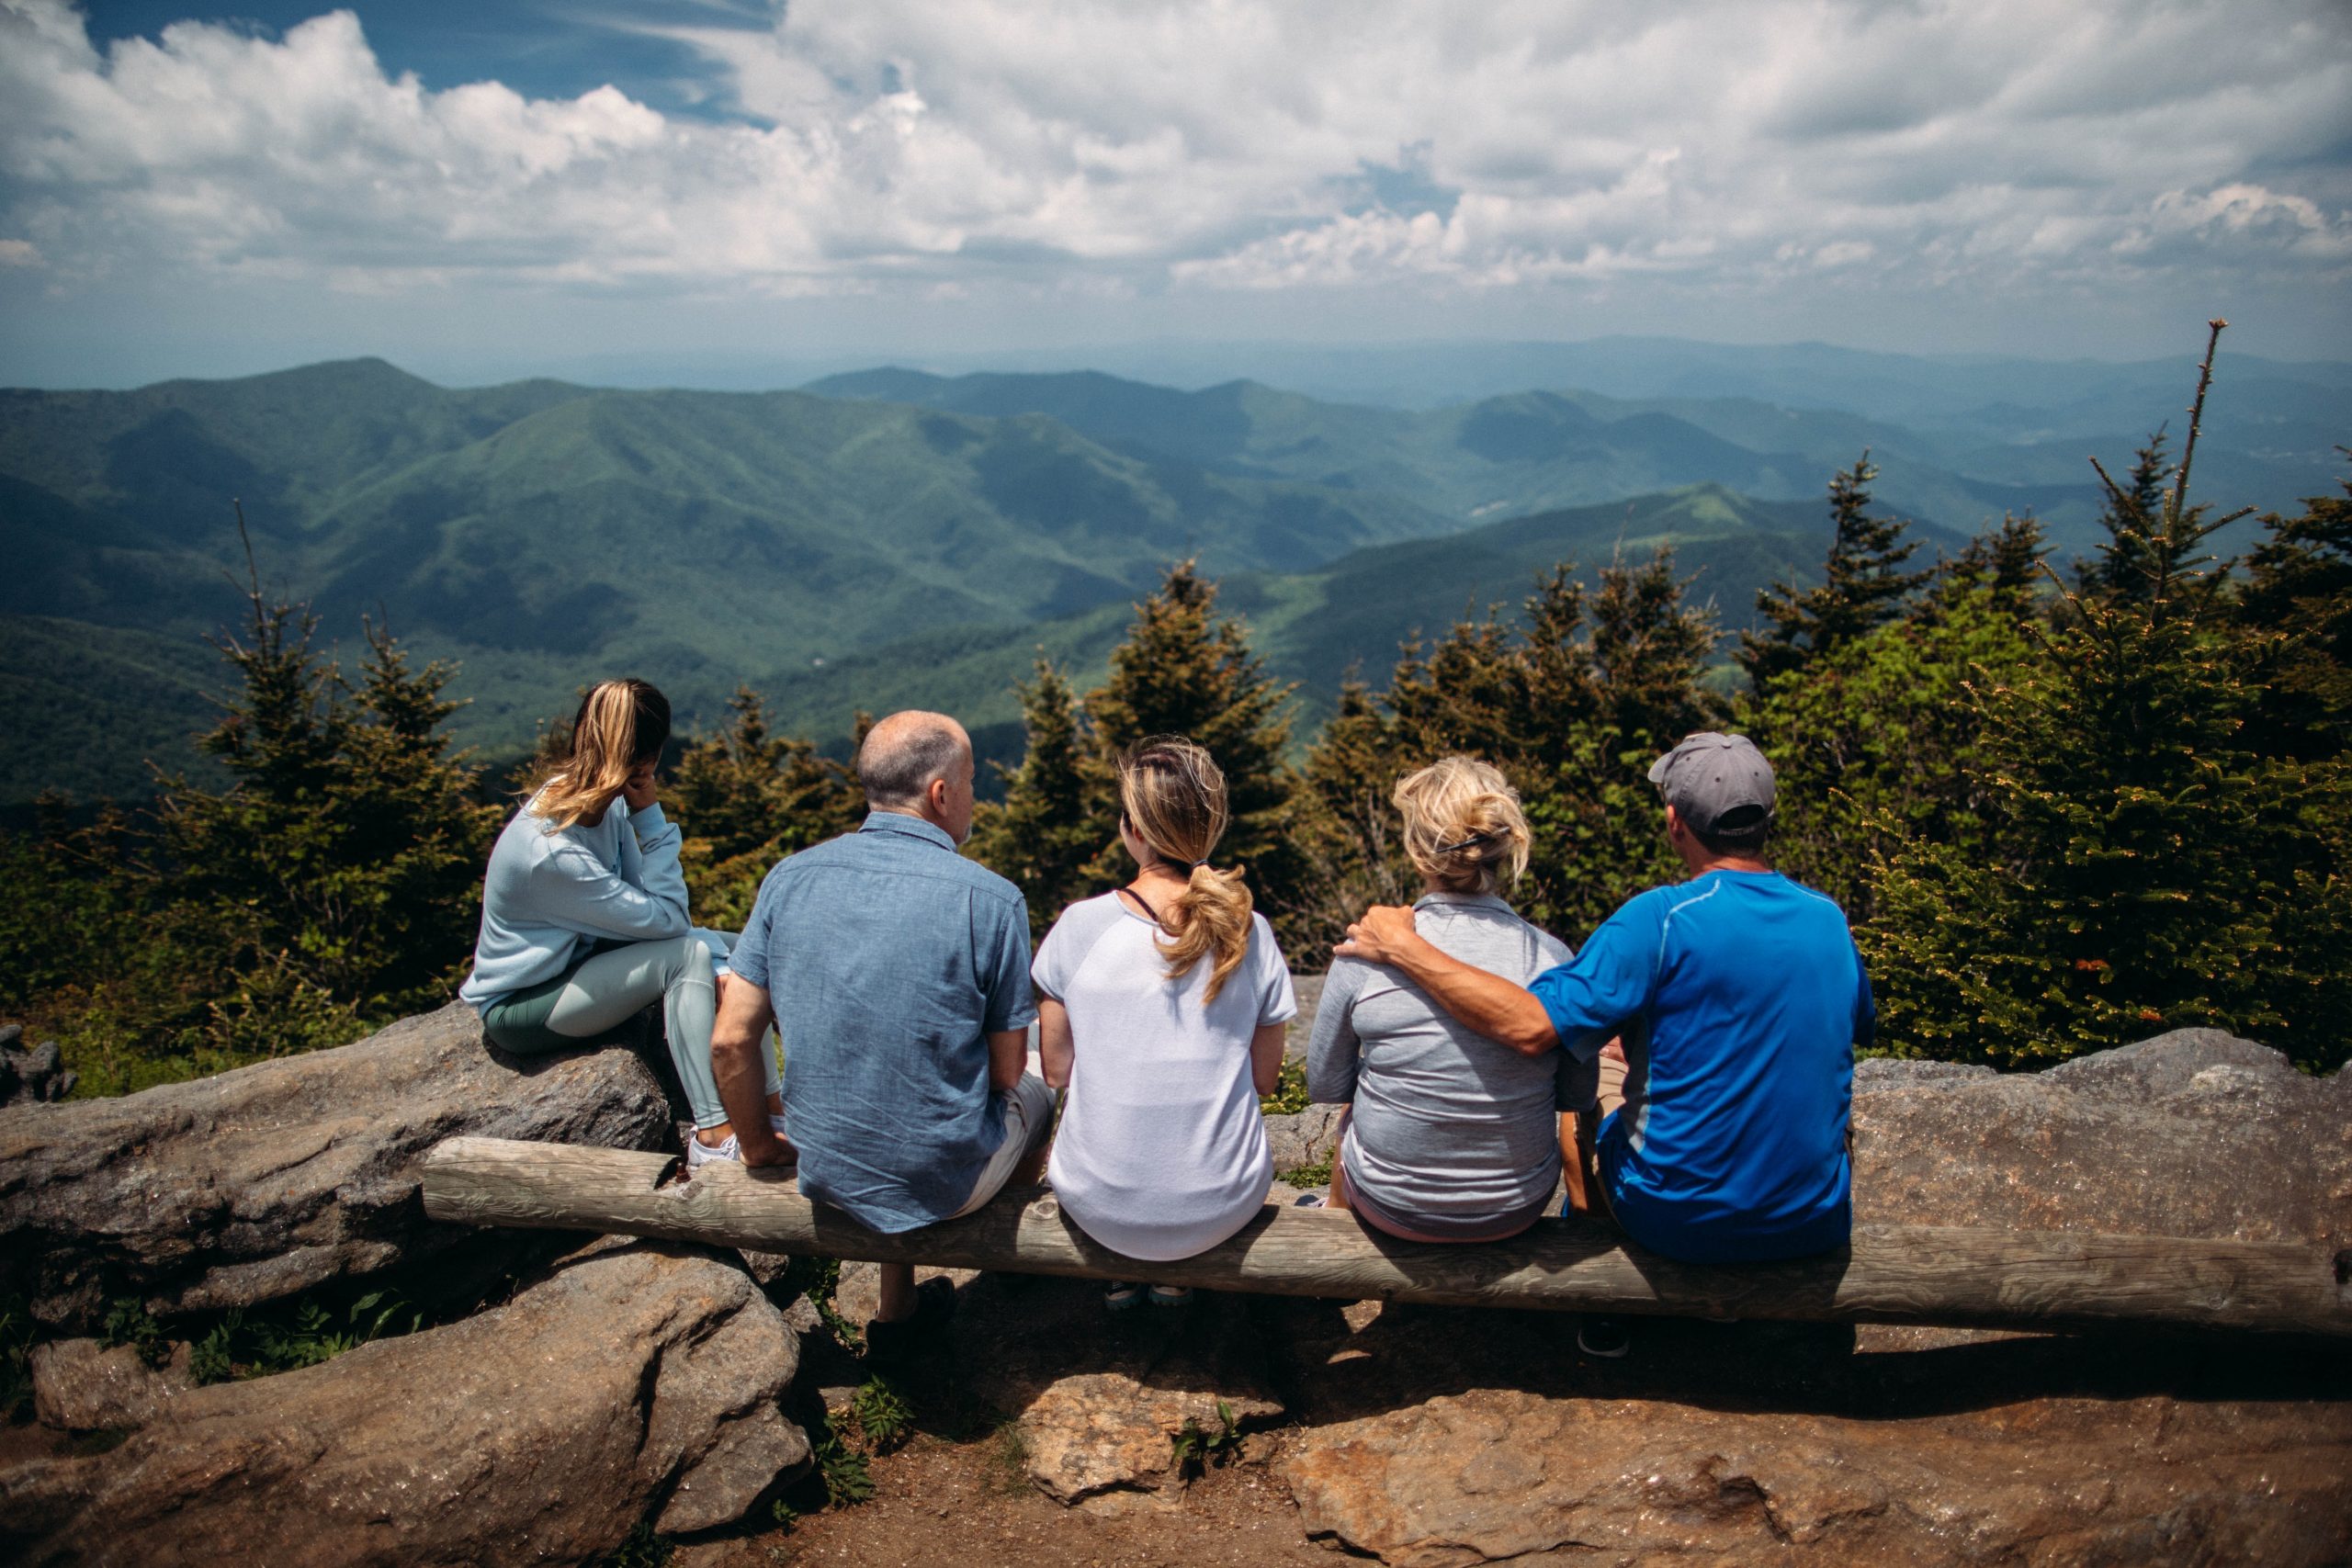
column 1160, row 1008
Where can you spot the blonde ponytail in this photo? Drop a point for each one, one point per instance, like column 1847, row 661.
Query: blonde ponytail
column 1172, row 793
column 1216, row 908
column 620, row 724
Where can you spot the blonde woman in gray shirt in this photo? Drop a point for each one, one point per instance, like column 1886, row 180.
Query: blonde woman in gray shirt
column 1449, row 1136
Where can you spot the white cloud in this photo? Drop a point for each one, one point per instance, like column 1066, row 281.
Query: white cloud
column 1205, row 145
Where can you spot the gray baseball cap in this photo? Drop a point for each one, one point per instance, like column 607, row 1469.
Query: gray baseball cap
column 1709, row 776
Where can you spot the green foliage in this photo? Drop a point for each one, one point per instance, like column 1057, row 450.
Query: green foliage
column 848, row 1480
column 214, row 1358
column 2145, row 865
column 747, row 798
column 884, row 1417
column 302, row 1331
column 334, row 883
column 819, row 1279
column 1290, row 1091
column 2130, row 518
column 1047, row 830
column 1193, row 1447
column 1315, row 1174
column 1864, row 586
column 130, row 1323
column 1879, row 738
column 2299, row 585
column 1572, row 703
column 1184, row 670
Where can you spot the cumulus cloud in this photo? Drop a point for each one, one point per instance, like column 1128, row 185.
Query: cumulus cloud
column 1208, row 145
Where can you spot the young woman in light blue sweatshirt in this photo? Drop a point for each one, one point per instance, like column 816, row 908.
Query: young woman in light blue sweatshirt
column 583, row 912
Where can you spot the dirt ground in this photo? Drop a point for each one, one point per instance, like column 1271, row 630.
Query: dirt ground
column 955, row 1494
column 940, row 1502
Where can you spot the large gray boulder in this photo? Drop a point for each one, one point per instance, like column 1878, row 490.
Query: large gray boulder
column 2192, row 1133
column 635, row 1381
column 1503, row 1475
column 257, row 1183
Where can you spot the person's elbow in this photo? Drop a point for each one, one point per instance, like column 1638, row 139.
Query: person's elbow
column 727, row 1049
column 1530, row 1029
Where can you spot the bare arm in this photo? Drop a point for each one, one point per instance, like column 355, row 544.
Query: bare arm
column 1008, row 1059
column 1266, row 1056
column 736, row 1042
column 1487, row 1003
column 1054, row 1041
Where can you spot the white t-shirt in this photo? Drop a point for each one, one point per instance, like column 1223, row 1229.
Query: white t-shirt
column 1161, row 1152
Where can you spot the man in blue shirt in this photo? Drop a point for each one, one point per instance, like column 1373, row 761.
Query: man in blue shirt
column 897, row 975
column 1740, row 996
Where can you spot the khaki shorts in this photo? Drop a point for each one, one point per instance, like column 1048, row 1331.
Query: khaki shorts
column 1609, row 1099
column 1028, row 1123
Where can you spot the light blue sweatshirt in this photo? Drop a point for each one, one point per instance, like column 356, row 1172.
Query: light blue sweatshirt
column 552, row 893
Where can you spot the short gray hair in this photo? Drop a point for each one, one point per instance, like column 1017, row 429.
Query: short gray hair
column 902, row 754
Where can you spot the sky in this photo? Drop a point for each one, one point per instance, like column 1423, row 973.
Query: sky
column 477, row 191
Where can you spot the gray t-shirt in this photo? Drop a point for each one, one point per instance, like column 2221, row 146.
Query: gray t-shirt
column 1447, row 1124
column 1161, row 1152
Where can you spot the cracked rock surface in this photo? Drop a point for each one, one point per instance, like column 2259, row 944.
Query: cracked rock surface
column 256, row 1184
column 634, row 1378
column 1494, row 1475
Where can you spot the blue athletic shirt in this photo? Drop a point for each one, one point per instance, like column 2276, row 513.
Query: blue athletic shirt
column 1740, row 997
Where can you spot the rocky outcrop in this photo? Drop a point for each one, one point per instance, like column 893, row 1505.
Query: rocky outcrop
column 1493, row 1475
column 634, row 1380
column 38, row 1074
column 1730, row 1441
column 2153, row 1139
column 1308, row 1138
column 82, row 1385
column 1102, row 1397
column 261, row 1183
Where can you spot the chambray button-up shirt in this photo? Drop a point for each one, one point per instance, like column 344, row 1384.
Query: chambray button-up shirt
column 888, row 959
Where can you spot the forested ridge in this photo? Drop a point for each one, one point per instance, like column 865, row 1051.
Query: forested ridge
column 2068, row 802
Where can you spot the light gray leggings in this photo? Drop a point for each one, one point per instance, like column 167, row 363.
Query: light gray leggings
column 602, row 992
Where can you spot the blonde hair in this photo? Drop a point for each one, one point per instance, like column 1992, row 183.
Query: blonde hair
column 620, row 724
column 1463, row 826
column 1172, row 795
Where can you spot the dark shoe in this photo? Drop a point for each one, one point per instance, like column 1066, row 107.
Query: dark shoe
column 1122, row 1294
column 935, row 1305
column 1170, row 1295
column 1604, row 1337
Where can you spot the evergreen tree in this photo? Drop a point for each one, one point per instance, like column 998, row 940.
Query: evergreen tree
column 2300, row 584
column 1347, row 831
column 2129, row 516
column 1880, row 739
column 1864, row 586
column 337, row 880
column 2145, row 865
column 747, row 798
column 1572, row 703
column 1050, row 826
column 1183, row 670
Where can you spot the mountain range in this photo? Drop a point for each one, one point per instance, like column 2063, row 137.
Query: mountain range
column 892, row 537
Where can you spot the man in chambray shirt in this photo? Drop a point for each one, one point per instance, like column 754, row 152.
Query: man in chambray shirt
column 897, row 975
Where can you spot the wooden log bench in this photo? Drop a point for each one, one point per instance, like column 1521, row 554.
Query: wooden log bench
column 1918, row 1274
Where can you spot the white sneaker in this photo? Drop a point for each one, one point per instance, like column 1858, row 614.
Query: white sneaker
column 699, row 1154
